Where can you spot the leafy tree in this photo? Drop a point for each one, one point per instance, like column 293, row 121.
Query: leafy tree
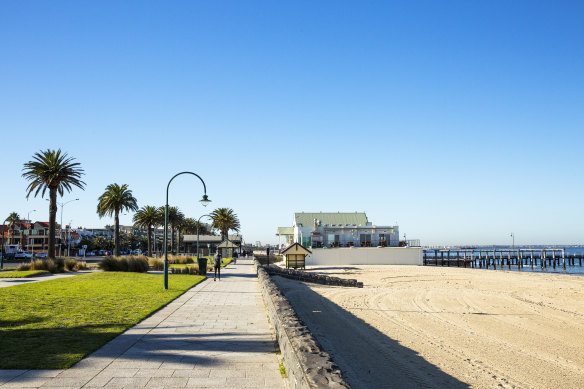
column 148, row 217
column 116, row 198
column 13, row 219
column 56, row 172
column 224, row 219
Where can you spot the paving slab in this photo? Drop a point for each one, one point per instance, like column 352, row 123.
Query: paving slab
column 217, row 334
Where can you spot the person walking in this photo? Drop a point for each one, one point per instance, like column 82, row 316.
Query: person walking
column 217, row 265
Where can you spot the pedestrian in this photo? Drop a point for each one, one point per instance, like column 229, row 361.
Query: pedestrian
column 234, row 257
column 217, row 265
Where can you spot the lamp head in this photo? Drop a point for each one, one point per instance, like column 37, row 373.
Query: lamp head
column 205, row 201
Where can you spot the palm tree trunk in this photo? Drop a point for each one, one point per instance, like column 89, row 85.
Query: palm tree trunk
column 52, row 221
column 117, row 235
column 171, row 240
column 150, row 242
column 178, row 241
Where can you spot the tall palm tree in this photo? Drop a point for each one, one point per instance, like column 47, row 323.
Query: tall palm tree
column 148, row 217
column 175, row 216
column 55, row 171
column 116, row 198
column 13, row 219
column 224, row 219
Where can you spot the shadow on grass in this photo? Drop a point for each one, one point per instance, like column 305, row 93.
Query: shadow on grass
column 51, row 348
column 382, row 361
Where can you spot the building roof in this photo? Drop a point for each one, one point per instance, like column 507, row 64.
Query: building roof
column 285, row 231
column 210, row 238
column 330, row 218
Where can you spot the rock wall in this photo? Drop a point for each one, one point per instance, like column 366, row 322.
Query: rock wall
column 307, row 364
column 312, row 277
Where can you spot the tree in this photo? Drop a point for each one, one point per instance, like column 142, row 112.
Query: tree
column 55, row 171
column 13, row 219
column 175, row 216
column 190, row 226
column 116, row 198
column 148, row 217
column 224, row 219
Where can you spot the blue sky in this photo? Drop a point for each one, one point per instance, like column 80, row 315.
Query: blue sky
column 462, row 121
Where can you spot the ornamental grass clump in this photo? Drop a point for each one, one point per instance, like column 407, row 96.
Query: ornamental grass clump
column 156, row 263
column 193, row 270
column 74, row 265
column 180, row 259
column 56, row 265
column 136, row 264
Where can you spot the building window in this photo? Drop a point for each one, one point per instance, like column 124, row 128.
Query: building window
column 365, row 240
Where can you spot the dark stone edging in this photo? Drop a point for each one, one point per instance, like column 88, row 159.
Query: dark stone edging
column 312, row 277
column 307, row 364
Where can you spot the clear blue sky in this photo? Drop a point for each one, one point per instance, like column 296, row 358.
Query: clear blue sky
column 461, row 120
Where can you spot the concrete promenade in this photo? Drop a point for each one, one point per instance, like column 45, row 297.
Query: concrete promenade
column 215, row 335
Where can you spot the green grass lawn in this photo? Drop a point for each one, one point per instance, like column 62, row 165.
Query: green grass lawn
column 53, row 324
column 22, row 274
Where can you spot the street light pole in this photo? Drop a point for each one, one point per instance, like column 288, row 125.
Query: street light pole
column 513, row 236
column 205, row 201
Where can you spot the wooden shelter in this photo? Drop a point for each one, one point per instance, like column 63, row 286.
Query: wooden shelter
column 227, row 247
column 295, row 255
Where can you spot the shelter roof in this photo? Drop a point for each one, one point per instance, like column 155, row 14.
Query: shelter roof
column 285, row 231
column 227, row 244
column 296, row 248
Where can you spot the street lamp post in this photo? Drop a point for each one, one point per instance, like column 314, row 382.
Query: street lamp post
column 513, row 237
column 205, row 201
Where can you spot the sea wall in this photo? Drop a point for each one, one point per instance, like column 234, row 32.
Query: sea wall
column 365, row 256
column 307, row 364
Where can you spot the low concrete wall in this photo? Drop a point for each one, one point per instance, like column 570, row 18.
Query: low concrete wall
column 366, row 256
column 307, row 364
column 306, row 276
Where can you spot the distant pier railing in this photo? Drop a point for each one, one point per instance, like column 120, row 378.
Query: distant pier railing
column 500, row 258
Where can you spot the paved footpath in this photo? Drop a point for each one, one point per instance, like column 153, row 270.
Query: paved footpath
column 215, row 335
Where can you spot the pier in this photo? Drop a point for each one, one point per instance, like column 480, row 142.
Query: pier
column 502, row 258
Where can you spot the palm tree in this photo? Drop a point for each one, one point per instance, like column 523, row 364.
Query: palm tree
column 148, row 217
column 116, row 198
column 56, row 172
column 13, row 219
column 224, row 219
column 175, row 216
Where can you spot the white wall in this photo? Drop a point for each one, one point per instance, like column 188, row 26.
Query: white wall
column 366, row 256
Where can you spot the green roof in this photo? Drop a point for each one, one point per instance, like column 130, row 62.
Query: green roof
column 330, row 218
column 285, row 231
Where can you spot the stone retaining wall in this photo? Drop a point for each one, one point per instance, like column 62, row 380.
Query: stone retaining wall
column 312, row 277
column 307, row 364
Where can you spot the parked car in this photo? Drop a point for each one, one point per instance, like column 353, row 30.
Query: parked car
column 19, row 255
column 27, row 254
column 41, row 255
column 90, row 254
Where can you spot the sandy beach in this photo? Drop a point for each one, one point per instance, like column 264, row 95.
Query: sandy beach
column 414, row 326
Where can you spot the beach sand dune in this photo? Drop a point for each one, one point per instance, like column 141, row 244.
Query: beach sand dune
column 414, row 326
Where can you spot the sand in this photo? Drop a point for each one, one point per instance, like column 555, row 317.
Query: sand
column 413, row 326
